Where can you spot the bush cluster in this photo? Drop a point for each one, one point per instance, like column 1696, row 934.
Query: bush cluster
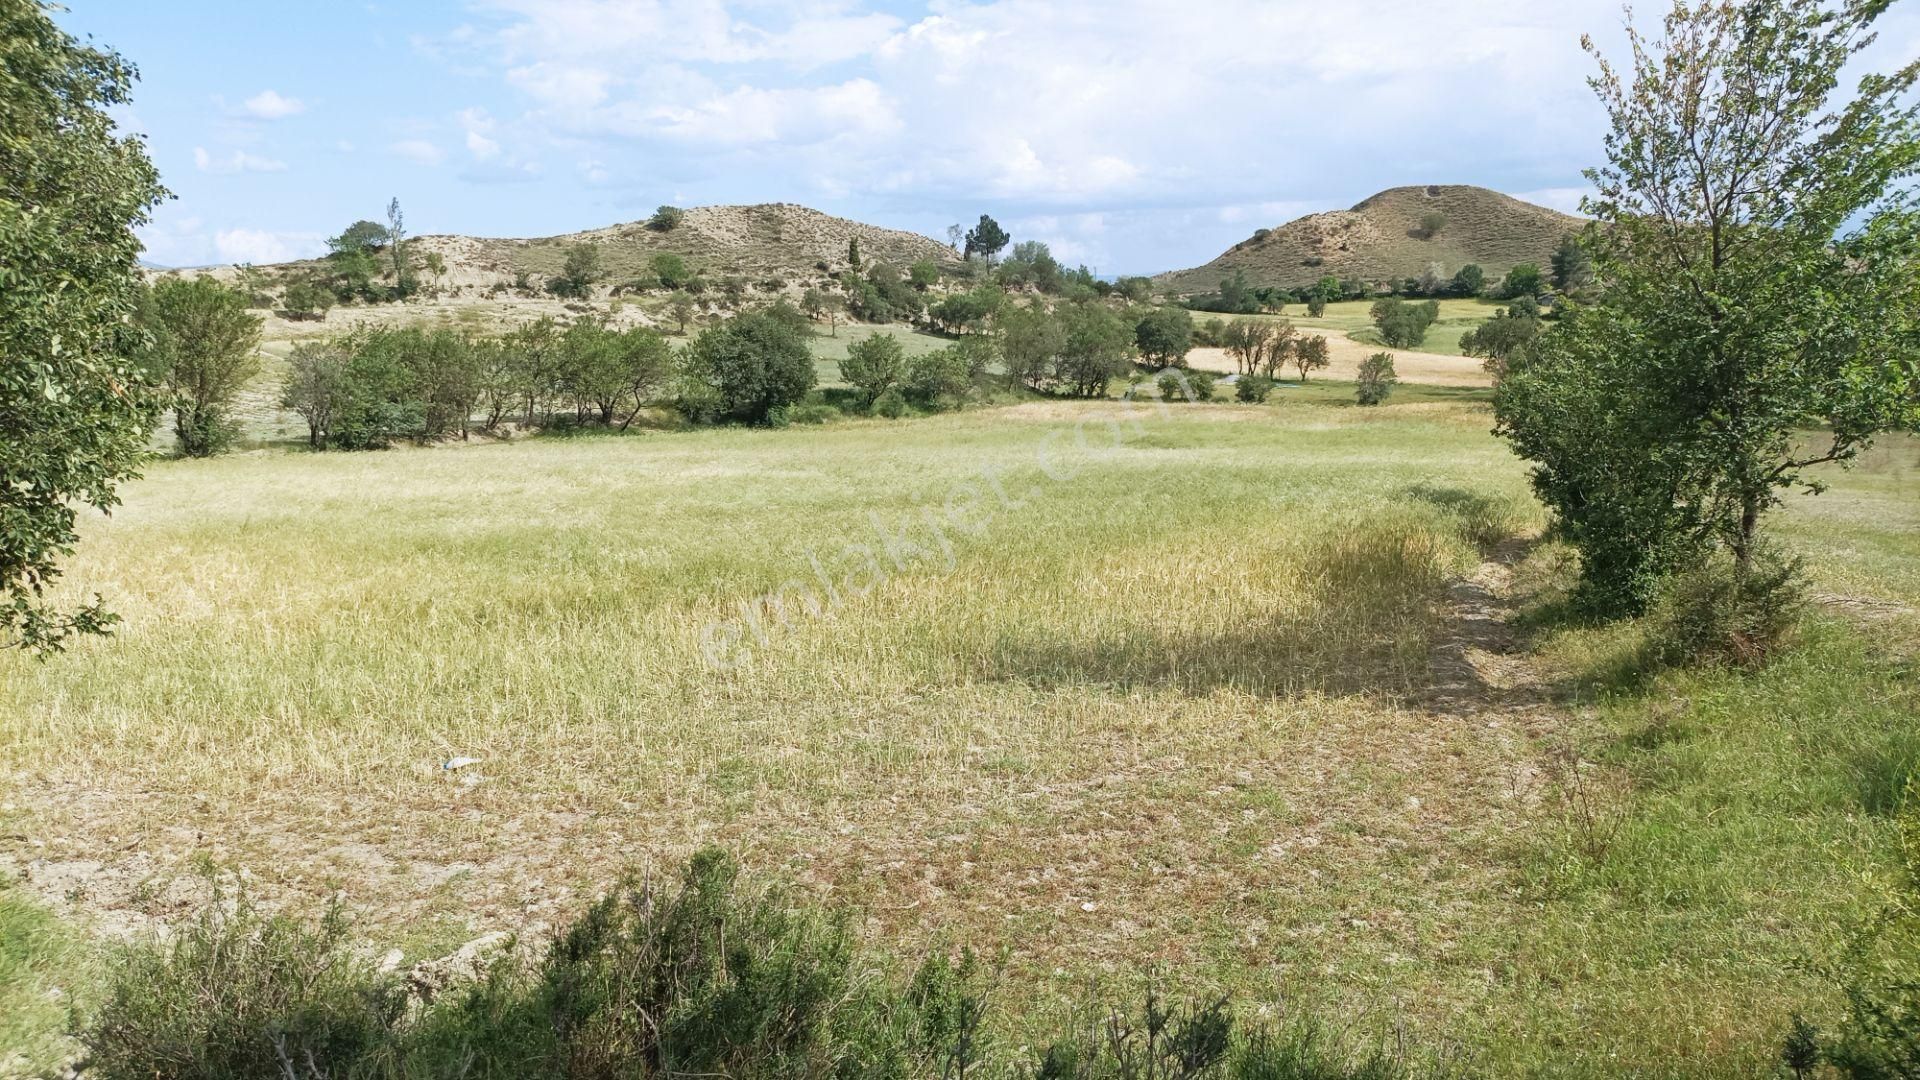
column 712, row 974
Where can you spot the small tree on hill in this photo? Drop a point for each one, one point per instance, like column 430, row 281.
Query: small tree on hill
column 1431, row 224
column 682, row 309
column 986, row 239
column 578, row 272
column 399, row 252
column 306, row 300
column 204, row 339
column 1469, row 281
column 666, row 219
column 1376, row 380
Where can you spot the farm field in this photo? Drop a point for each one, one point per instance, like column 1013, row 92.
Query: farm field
column 1238, row 695
column 1354, row 319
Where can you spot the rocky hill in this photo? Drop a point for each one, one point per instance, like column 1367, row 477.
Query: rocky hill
column 1390, row 237
column 767, row 241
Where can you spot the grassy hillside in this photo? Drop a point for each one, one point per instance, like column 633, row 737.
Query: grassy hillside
column 1385, row 239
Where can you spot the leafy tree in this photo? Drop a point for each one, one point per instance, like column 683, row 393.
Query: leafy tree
column 670, row 269
column 682, row 309
column 306, row 300
column 363, row 237
column 986, row 239
column 204, row 339
column 76, row 403
column 1032, row 263
column 954, row 233
column 352, row 257
column 1097, row 348
column 609, row 372
column 853, row 253
column 969, row 311
column 398, row 251
column 578, row 272
column 1503, row 340
column 923, row 274
column 1310, row 354
column 1164, row 336
column 1470, row 281
column 1029, row 343
column 1259, row 346
column 1431, row 223
column 1324, row 292
column 874, row 365
column 1137, row 290
column 1572, row 266
column 1756, row 239
column 316, row 384
column 666, row 219
column 1403, row 325
column 947, row 375
column 1236, row 295
column 1523, row 280
column 751, row 365
column 1376, row 379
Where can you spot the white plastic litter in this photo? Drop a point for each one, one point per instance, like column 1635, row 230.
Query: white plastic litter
column 459, row 763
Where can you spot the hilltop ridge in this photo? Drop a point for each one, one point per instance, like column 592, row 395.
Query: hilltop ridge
column 1387, row 238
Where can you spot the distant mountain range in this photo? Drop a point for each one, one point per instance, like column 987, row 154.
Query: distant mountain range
column 1392, row 236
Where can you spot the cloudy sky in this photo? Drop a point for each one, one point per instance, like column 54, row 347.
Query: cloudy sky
column 1132, row 135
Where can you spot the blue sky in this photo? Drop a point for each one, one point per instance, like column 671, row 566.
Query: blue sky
column 1132, row 135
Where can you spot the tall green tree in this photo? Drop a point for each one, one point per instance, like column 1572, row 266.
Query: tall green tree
column 986, row 239
column 77, row 402
column 1759, row 248
column 1165, row 336
column 399, row 252
column 204, row 340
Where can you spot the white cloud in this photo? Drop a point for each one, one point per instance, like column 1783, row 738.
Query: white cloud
column 418, row 151
column 260, row 246
column 238, row 162
column 269, row 105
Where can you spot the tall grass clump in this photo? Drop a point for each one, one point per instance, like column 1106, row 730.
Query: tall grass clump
column 711, row 975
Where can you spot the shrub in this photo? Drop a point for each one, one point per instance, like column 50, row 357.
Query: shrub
column 943, row 375
column 1185, row 385
column 1253, row 389
column 666, row 219
column 237, row 994
column 891, row 405
column 1712, row 611
column 203, row 341
column 307, row 300
column 1376, row 379
column 670, row 269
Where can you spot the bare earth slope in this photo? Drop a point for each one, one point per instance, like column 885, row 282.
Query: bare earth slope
column 1384, row 239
